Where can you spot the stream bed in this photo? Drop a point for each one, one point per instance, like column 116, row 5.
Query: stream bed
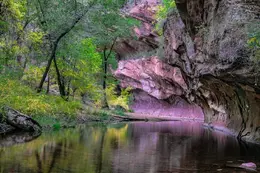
column 134, row 147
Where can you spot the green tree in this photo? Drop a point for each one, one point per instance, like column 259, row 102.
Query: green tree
column 61, row 19
column 80, row 68
column 110, row 26
column 58, row 18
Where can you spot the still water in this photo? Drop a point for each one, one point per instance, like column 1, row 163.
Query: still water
column 137, row 147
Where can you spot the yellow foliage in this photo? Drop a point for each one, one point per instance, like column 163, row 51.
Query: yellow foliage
column 36, row 37
column 23, row 98
column 37, row 106
column 114, row 100
column 32, row 75
column 252, row 40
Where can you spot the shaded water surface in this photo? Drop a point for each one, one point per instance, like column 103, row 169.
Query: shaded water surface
column 139, row 147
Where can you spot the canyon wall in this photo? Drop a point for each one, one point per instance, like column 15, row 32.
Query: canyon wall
column 206, row 62
column 207, row 40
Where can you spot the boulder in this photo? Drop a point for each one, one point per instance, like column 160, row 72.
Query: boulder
column 21, row 121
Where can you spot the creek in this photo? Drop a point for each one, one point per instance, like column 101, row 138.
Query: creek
column 134, row 147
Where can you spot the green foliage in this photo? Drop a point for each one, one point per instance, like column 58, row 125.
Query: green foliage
column 82, row 68
column 98, row 114
column 36, row 38
column 254, row 41
column 12, row 10
column 166, row 7
column 28, row 31
column 32, row 75
column 11, row 18
column 119, row 111
column 57, row 126
column 17, row 41
column 109, row 25
column 20, row 97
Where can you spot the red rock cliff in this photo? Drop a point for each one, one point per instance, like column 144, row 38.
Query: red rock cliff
column 207, row 62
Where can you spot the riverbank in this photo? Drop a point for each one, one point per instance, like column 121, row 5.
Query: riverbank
column 87, row 115
column 50, row 122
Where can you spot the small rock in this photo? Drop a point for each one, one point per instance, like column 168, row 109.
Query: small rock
column 219, row 170
column 250, row 165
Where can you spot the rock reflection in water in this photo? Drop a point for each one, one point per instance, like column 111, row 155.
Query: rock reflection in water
column 134, row 147
column 14, row 138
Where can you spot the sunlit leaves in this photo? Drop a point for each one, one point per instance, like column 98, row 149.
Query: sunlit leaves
column 162, row 11
column 36, row 37
column 254, row 41
column 32, row 75
column 20, row 97
column 122, row 100
column 81, row 67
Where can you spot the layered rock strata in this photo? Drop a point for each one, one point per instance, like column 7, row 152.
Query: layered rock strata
column 207, row 62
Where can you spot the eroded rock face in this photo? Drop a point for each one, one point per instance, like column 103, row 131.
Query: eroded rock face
column 151, row 75
column 147, row 38
column 208, row 41
column 158, row 87
column 174, row 107
column 207, row 62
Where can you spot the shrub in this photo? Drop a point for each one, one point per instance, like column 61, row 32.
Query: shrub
column 123, row 100
column 166, row 7
column 22, row 98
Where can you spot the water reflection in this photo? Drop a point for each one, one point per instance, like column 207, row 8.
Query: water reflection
column 15, row 137
column 135, row 148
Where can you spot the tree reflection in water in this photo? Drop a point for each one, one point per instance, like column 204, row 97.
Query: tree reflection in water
column 133, row 147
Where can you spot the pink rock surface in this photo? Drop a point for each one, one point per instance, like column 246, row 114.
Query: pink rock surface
column 151, row 75
column 144, row 11
column 157, row 89
column 174, row 107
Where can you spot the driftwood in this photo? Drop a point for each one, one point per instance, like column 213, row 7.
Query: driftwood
column 21, row 121
column 240, row 166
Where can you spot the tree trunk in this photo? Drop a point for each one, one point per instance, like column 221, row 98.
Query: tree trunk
column 105, row 78
column 47, row 69
column 48, row 84
column 60, row 83
column 105, row 64
column 100, row 153
column 68, row 89
column 55, row 45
